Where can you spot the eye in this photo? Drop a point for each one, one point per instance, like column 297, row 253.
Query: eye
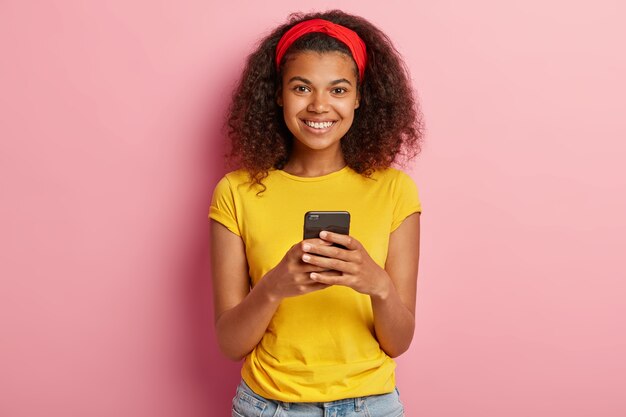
column 301, row 89
column 339, row 90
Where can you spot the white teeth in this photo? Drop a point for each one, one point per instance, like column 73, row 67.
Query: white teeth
column 316, row 125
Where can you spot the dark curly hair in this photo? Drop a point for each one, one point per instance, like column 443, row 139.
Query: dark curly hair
column 387, row 125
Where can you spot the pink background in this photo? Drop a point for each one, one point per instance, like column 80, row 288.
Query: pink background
column 110, row 116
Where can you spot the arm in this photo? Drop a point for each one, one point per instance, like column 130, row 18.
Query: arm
column 242, row 315
column 394, row 312
column 392, row 289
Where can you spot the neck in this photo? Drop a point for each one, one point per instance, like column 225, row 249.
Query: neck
column 313, row 164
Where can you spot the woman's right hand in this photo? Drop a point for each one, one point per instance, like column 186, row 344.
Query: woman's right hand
column 291, row 276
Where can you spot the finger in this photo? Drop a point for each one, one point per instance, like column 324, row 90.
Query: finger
column 347, row 241
column 306, row 283
column 315, row 286
column 327, row 278
column 311, row 242
column 330, row 252
column 327, row 263
column 308, row 268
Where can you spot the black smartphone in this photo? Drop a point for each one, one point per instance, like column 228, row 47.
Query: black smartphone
column 332, row 221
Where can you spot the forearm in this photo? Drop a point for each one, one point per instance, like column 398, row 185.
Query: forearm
column 241, row 328
column 394, row 323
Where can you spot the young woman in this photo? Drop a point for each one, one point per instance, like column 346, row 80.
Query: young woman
column 323, row 108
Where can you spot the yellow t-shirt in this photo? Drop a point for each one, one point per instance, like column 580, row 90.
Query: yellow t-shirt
column 320, row 346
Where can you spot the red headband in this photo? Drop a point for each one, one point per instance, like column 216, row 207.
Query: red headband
column 341, row 33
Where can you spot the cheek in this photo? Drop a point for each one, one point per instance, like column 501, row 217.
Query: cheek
column 347, row 110
column 289, row 115
column 292, row 106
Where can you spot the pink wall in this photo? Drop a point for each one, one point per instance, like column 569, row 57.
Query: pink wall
column 110, row 147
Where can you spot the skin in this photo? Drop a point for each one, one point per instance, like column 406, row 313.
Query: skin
column 316, row 87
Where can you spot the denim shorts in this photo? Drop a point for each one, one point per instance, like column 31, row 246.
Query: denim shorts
column 249, row 404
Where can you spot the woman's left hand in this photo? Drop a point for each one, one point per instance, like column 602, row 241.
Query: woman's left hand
column 358, row 269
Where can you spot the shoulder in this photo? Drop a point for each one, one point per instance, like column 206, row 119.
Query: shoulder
column 399, row 187
column 240, row 182
column 233, row 179
column 228, row 183
column 238, row 177
column 393, row 176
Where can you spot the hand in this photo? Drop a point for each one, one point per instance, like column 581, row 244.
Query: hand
column 356, row 268
column 292, row 276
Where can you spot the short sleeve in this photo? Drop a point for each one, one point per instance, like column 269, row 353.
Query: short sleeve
column 223, row 209
column 407, row 200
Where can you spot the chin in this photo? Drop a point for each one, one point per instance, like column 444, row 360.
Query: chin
column 318, row 145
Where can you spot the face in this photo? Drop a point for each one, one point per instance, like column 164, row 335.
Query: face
column 318, row 96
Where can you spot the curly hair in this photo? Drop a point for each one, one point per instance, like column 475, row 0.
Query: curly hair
column 387, row 126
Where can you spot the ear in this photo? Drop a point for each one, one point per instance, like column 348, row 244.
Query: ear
column 357, row 103
column 279, row 97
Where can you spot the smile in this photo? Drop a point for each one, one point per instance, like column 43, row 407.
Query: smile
column 318, row 125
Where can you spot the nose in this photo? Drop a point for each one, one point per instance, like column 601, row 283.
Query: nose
column 319, row 103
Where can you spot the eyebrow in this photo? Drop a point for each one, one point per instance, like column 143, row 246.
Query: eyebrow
column 304, row 80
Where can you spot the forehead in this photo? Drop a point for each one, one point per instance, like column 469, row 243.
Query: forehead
column 320, row 65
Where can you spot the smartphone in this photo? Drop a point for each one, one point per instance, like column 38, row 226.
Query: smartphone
column 332, row 221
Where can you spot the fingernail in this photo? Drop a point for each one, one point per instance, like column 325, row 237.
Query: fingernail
column 323, row 234
column 314, row 275
column 306, row 247
column 306, row 258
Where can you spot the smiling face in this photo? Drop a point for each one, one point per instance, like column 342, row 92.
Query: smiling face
column 318, row 96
